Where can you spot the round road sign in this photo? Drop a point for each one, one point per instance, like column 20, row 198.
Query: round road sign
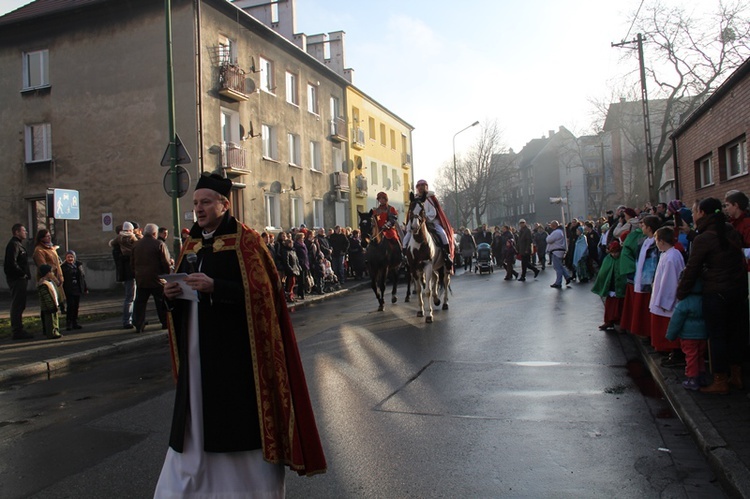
column 183, row 181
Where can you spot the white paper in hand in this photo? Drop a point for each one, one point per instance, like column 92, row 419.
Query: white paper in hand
column 188, row 293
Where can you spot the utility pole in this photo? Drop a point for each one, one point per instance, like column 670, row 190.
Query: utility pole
column 172, row 134
column 644, row 100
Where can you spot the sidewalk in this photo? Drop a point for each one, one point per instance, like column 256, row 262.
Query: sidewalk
column 40, row 357
column 719, row 424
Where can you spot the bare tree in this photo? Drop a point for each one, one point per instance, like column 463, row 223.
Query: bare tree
column 687, row 55
column 477, row 176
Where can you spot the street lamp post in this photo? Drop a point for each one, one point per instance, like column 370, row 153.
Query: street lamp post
column 455, row 174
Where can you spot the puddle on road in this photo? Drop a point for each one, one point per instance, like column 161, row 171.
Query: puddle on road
column 639, row 373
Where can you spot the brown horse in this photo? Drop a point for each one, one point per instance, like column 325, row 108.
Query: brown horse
column 383, row 258
column 426, row 262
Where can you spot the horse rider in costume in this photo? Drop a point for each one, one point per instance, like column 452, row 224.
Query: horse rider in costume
column 386, row 217
column 436, row 221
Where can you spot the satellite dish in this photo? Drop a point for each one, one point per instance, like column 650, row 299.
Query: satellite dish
column 249, row 86
column 275, row 187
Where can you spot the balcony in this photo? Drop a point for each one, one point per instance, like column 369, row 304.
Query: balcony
column 232, row 82
column 361, row 185
column 338, row 129
column 340, row 181
column 405, row 159
column 358, row 138
column 234, row 158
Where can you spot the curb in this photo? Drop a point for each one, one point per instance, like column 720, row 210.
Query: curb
column 733, row 475
column 60, row 363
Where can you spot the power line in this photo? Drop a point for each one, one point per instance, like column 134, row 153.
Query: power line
column 634, row 19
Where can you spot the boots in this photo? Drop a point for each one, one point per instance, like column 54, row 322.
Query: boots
column 720, row 386
column 735, row 376
column 447, row 254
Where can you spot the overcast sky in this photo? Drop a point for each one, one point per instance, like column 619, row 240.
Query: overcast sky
column 532, row 65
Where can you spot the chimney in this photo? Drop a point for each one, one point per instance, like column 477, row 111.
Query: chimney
column 551, row 133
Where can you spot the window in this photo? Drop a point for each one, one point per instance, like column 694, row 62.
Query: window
column 393, row 140
column 382, row 134
column 38, row 142
column 270, row 149
column 736, row 158
column 298, row 216
column 384, row 179
column 373, row 172
column 274, row 11
column 267, row 82
column 238, row 205
column 35, row 69
column 312, row 98
column 317, row 213
column 704, row 175
column 271, row 205
column 292, row 92
column 315, row 156
column 230, row 126
column 371, row 128
column 226, row 51
column 294, row 150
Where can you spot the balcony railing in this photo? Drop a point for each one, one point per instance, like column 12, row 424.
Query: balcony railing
column 406, row 159
column 232, row 82
column 338, row 129
column 358, row 138
column 234, row 158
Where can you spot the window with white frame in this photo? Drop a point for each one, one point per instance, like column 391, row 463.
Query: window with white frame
column 292, row 92
column 35, row 69
column 271, row 205
column 274, row 11
column 338, row 159
column 230, row 126
column 373, row 172
column 270, row 148
column 736, row 158
column 312, row 98
column 315, row 156
column 294, row 149
column 384, row 178
column 267, row 81
column 704, row 174
column 335, row 108
column 298, row 216
column 317, row 213
column 38, row 142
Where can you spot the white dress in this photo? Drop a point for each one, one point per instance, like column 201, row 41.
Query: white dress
column 197, row 474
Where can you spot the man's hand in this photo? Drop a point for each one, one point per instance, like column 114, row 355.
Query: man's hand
column 172, row 290
column 200, row 282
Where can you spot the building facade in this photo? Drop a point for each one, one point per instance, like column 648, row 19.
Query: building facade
column 711, row 144
column 84, row 90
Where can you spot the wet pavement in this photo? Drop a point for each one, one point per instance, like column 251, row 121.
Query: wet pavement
column 719, row 424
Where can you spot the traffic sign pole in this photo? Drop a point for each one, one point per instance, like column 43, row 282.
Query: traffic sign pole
column 172, row 134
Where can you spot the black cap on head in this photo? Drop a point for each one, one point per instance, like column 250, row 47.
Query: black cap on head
column 44, row 269
column 215, row 182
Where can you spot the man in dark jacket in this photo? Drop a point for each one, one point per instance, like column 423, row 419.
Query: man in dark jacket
column 17, row 274
column 523, row 244
column 339, row 248
column 150, row 259
column 483, row 235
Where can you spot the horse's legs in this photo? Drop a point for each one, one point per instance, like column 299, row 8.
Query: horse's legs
column 374, row 284
column 436, row 288
column 394, row 274
column 446, row 284
column 381, row 288
column 430, row 278
column 418, row 290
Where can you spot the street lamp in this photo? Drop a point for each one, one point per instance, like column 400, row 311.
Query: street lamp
column 455, row 175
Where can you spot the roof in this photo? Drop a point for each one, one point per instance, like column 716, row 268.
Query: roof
column 740, row 73
column 40, row 8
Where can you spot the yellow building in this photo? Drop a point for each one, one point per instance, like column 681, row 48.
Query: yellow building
column 380, row 154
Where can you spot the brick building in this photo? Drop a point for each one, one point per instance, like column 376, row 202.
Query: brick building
column 711, row 144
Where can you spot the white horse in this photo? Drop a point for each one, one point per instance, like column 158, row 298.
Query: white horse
column 426, row 262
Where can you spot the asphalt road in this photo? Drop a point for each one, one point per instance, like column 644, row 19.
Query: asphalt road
column 513, row 392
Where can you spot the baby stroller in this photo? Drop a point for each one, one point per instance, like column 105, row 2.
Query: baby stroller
column 484, row 259
column 330, row 280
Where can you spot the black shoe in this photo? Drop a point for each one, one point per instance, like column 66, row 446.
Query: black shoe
column 77, row 326
column 22, row 335
column 536, row 273
column 558, row 286
column 522, row 279
column 568, row 280
column 128, row 326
